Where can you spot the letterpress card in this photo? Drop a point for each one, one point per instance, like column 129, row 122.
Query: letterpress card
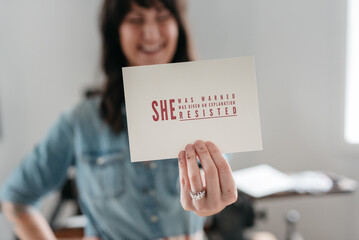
column 171, row 105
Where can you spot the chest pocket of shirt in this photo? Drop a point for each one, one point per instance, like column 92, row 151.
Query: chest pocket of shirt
column 102, row 176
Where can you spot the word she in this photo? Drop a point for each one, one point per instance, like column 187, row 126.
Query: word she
column 184, row 109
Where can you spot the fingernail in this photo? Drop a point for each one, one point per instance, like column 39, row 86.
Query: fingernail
column 197, row 143
column 180, row 155
column 189, row 147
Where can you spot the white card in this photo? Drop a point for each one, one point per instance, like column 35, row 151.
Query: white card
column 171, row 105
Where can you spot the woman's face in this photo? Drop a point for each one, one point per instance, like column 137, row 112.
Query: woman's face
column 148, row 35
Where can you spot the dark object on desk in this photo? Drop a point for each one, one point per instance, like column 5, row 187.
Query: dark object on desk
column 231, row 222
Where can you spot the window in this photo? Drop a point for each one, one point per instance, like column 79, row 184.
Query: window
column 351, row 128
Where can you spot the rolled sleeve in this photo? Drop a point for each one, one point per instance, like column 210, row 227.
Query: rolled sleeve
column 44, row 169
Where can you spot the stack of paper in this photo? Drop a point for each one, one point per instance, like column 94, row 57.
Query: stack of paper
column 262, row 180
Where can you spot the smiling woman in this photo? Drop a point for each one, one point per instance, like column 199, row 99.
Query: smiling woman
column 148, row 36
column 122, row 200
column 149, row 32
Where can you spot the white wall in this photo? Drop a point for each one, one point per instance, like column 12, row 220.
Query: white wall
column 49, row 51
column 300, row 61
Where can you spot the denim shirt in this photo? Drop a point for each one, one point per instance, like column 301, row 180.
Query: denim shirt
column 122, row 200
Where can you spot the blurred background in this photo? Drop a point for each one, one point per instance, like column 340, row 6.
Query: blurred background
column 50, row 53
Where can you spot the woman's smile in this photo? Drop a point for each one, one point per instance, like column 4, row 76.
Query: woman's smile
column 148, row 35
column 151, row 49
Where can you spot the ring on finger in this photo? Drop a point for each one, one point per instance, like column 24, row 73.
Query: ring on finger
column 198, row 195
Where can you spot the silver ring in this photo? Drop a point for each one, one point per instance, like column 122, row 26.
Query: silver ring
column 198, row 195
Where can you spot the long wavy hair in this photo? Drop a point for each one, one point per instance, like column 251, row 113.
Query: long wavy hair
column 113, row 58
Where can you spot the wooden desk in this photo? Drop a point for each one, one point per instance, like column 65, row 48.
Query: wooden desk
column 69, row 233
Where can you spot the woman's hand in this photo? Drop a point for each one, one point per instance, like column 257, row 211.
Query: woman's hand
column 219, row 184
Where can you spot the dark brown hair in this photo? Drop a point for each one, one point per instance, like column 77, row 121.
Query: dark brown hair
column 113, row 58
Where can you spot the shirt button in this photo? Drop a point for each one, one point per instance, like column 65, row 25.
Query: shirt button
column 154, row 218
column 153, row 165
column 100, row 160
column 153, row 192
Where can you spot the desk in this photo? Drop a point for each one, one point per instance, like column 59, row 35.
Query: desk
column 69, row 233
column 239, row 215
column 235, row 219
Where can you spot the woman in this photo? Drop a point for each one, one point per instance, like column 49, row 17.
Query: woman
column 122, row 200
